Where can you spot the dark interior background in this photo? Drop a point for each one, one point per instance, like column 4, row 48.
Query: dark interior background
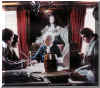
column 60, row 9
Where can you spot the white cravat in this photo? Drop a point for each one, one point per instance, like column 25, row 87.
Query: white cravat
column 52, row 28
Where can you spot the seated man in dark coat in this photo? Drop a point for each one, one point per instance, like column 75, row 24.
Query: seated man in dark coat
column 89, row 68
column 48, row 42
column 9, row 59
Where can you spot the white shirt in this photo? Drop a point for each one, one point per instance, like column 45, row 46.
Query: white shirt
column 4, row 45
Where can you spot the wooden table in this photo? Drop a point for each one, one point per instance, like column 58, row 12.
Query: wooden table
column 48, row 79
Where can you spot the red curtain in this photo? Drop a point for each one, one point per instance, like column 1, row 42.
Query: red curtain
column 77, row 17
column 23, row 26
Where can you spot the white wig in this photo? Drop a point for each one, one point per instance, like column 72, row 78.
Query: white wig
column 48, row 35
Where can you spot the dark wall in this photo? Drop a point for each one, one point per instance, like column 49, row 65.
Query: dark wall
column 37, row 23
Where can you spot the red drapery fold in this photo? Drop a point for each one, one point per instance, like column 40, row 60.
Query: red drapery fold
column 77, row 17
column 22, row 25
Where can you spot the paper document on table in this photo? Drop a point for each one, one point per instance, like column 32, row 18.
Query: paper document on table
column 36, row 68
